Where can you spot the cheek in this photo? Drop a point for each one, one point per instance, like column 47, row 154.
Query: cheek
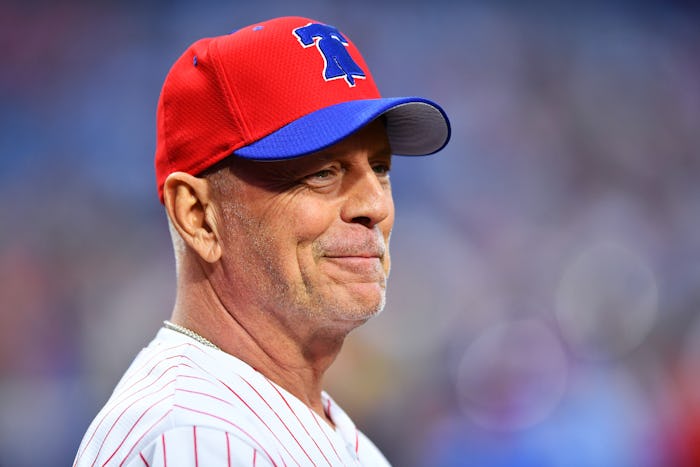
column 386, row 228
column 387, row 225
column 310, row 220
column 387, row 256
column 303, row 230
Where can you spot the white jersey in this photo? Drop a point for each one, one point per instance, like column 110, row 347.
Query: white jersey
column 182, row 403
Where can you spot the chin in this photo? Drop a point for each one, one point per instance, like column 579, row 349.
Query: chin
column 360, row 307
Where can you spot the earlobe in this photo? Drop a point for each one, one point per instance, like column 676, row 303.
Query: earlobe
column 188, row 206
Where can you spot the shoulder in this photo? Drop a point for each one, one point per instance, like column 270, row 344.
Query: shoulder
column 171, row 387
column 179, row 398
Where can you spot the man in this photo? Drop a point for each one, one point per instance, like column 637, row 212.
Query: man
column 272, row 161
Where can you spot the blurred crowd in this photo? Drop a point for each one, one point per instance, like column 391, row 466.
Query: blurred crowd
column 543, row 304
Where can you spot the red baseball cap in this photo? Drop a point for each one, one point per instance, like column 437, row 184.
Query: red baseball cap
column 275, row 90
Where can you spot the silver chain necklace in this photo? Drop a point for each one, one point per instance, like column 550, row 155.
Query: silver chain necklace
column 190, row 333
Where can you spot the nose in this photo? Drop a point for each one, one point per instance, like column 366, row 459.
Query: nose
column 369, row 200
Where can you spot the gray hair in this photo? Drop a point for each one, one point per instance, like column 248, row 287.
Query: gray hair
column 179, row 246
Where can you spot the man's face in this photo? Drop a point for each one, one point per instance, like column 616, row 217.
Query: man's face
column 307, row 239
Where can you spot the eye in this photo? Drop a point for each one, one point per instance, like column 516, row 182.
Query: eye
column 323, row 177
column 322, row 174
column 381, row 169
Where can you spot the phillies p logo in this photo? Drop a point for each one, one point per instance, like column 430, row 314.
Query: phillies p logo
column 332, row 46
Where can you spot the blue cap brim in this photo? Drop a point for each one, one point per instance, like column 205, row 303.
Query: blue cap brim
column 415, row 127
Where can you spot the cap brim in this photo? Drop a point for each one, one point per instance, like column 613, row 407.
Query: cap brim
column 415, row 127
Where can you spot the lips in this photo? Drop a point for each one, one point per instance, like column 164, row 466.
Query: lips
column 363, row 263
column 360, row 255
column 366, row 268
column 366, row 248
column 357, row 257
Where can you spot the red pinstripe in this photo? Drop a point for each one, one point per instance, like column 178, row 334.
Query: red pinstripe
column 156, row 367
column 196, row 364
column 140, row 438
column 194, row 436
column 114, row 407
column 255, row 441
column 104, row 440
column 295, row 416
column 205, row 394
column 148, row 362
column 161, row 361
column 129, row 432
column 228, row 449
column 255, row 457
column 199, row 378
column 268, row 426
column 126, row 397
column 144, row 460
column 313, row 414
column 188, row 344
column 165, row 457
column 156, row 356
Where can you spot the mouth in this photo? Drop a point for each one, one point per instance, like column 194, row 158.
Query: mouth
column 361, row 252
column 367, row 255
column 367, row 267
column 355, row 257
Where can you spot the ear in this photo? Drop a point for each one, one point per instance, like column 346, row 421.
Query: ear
column 188, row 204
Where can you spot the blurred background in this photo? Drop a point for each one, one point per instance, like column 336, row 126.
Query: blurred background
column 543, row 305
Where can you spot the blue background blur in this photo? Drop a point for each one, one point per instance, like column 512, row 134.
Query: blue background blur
column 543, row 304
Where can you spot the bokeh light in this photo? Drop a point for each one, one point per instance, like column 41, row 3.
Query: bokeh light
column 606, row 302
column 512, row 376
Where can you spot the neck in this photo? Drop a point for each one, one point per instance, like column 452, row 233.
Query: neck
column 293, row 361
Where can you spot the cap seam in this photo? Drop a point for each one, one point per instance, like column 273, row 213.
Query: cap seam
column 231, row 96
column 166, row 136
